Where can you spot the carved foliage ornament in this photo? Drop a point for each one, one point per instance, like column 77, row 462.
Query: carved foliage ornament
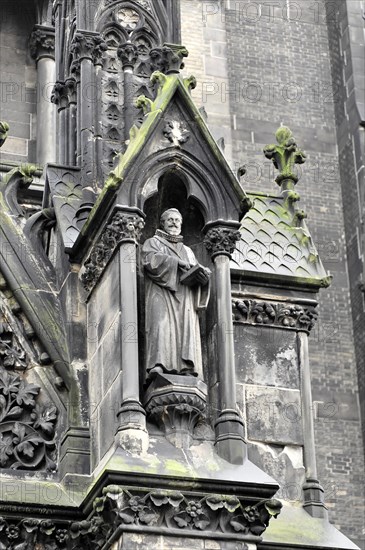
column 88, row 46
column 26, row 427
column 28, row 534
column 186, row 512
column 282, row 315
column 42, row 43
column 165, row 510
column 176, row 133
column 169, row 58
column 221, row 240
column 123, row 227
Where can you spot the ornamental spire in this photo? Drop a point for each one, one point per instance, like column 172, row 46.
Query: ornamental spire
column 284, row 156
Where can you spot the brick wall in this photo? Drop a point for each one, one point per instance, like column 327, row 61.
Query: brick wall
column 279, row 72
column 17, row 80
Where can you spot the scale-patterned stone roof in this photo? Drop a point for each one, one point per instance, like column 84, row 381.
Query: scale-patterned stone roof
column 276, row 243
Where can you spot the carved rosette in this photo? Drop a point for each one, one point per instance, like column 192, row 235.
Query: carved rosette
column 128, row 54
column 271, row 314
column 42, row 43
column 88, row 46
column 221, row 241
column 176, row 133
column 122, row 228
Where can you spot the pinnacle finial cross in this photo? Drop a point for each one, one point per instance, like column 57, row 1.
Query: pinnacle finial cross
column 285, row 155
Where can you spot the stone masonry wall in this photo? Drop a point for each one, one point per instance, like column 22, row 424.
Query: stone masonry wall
column 17, row 80
column 279, row 72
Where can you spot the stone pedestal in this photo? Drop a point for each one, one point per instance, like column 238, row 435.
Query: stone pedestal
column 176, row 404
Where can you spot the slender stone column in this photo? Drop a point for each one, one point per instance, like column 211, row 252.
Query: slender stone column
column 71, row 85
column 313, row 492
column 87, row 49
column 42, row 48
column 60, row 98
column 132, row 434
column 128, row 54
column 220, row 241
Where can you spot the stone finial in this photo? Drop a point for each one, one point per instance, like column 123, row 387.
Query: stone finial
column 169, row 58
column 4, row 129
column 285, row 155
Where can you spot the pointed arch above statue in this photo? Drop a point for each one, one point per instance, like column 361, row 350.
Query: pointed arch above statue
column 172, row 137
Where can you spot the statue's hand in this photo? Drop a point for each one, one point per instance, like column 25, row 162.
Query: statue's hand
column 184, row 266
column 204, row 276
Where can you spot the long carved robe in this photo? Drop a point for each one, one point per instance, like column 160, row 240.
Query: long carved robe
column 172, row 324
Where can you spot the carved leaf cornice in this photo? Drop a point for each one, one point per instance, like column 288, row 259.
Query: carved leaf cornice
column 291, row 316
column 221, row 241
column 141, row 510
column 180, row 512
column 122, row 228
column 42, row 43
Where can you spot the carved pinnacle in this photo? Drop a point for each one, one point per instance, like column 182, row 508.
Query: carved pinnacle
column 285, row 155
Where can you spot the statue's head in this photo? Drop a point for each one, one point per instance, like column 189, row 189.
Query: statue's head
column 171, row 222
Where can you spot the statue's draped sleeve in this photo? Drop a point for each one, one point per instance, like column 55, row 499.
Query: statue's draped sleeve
column 162, row 268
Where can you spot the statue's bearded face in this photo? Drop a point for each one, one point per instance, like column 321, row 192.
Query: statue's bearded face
column 172, row 224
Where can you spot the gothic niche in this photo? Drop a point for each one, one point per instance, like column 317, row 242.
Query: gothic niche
column 176, row 287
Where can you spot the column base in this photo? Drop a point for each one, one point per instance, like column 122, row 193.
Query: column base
column 313, row 499
column 229, row 442
column 132, row 435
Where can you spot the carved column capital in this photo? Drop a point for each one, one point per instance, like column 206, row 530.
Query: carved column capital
column 71, row 89
column 125, row 226
column 42, row 43
column 221, row 240
column 88, row 45
column 169, row 58
column 60, row 95
column 128, row 54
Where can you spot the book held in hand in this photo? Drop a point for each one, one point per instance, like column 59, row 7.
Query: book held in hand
column 191, row 277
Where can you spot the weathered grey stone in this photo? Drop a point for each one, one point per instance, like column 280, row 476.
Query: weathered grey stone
column 274, row 415
column 266, row 356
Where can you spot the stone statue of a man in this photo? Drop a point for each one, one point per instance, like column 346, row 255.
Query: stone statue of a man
column 176, row 288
